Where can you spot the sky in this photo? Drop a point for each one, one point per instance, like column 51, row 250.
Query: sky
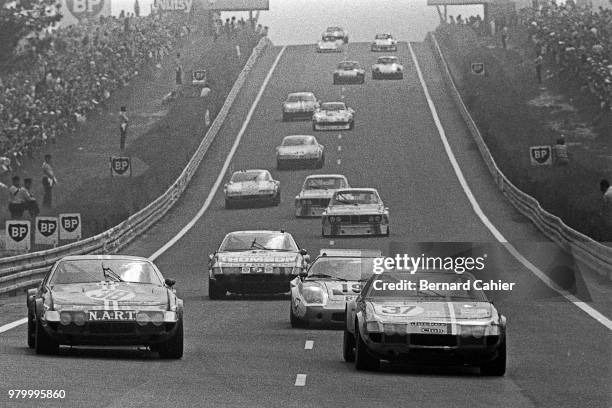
column 302, row 21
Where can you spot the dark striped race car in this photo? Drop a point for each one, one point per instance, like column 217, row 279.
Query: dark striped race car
column 105, row 300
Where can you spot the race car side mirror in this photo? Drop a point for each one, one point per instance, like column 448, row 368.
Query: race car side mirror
column 303, row 251
column 303, row 274
column 169, row 282
column 307, row 258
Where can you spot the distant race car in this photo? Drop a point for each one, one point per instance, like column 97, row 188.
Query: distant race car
column 329, row 43
column 316, row 192
column 255, row 262
column 453, row 325
column 299, row 105
column 338, row 33
column 355, row 211
column 300, row 150
column 384, row 42
column 319, row 295
column 349, row 72
column 252, row 187
column 387, row 67
column 333, row 116
column 105, row 300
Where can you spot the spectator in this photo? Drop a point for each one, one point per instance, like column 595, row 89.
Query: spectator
column 15, row 202
column 123, row 126
column 29, row 203
column 504, row 37
column 560, row 152
column 606, row 205
column 48, row 181
column 538, row 67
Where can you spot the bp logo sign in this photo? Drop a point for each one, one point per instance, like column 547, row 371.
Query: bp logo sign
column 17, row 235
column 83, row 9
column 70, row 226
column 478, row 68
column 121, row 166
column 46, row 230
column 540, row 155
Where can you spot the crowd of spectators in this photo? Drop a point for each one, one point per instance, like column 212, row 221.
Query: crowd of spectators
column 61, row 75
column 578, row 41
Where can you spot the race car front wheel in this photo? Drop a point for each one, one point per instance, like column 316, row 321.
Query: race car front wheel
column 228, row 204
column 497, row 367
column 277, row 200
column 215, row 292
column 348, row 346
column 44, row 344
column 296, row 322
column 173, row 347
column 31, row 331
column 363, row 360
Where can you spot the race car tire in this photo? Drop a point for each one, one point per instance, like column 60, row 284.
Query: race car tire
column 228, row 204
column 321, row 162
column 335, row 80
column 497, row 367
column 363, row 360
column 31, row 331
column 43, row 343
column 352, row 125
column 348, row 346
column 285, row 117
column 277, row 200
column 173, row 347
column 295, row 321
column 215, row 292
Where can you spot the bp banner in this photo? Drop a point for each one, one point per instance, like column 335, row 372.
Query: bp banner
column 75, row 11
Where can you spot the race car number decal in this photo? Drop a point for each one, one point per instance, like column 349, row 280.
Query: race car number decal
column 409, row 310
column 355, row 288
column 109, row 294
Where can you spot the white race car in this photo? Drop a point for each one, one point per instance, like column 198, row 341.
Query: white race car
column 355, row 211
column 299, row 105
column 316, row 192
column 384, row 42
column 328, row 43
column 387, row 67
column 349, row 72
column 252, row 186
column 299, row 149
column 338, row 33
column 333, row 116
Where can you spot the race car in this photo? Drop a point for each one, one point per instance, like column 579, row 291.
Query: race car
column 299, row 105
column 105, row 300
column 316, row 192
column 255, row 262
column 320, row 294
column 333, row 116
column 355, row 211
column 252, row 187
column 349, row 72
column 453, row 324
column 299, row 150
column 387, row 67
column 329, row 43
column 338, row 33
column 384, row 42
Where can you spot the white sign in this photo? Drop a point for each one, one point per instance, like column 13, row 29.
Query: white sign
column 121, row 167
column 17, row 235
column 478, row 68
column 174, row 5
column 70, row 226
column 75, row 11
column 46, row 231
column 540, row 155
column 235, row 5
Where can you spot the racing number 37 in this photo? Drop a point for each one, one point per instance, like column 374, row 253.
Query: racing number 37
column 399, row 310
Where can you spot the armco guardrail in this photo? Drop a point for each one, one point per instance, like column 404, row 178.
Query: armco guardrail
column 587, row 252
column 26, row 270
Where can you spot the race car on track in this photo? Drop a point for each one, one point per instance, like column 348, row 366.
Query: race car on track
column 333, row 116
column 255, row 262
column 299, row 105
column 105, row 300
column 447, row 322
column 384, row 42
column 338, row 33
column 320, row 294
column 329, row 43
column 355, row 211
column 316, row 192
column 300, row 150
column 252, row 187
column 349, row 72
column 387, row 67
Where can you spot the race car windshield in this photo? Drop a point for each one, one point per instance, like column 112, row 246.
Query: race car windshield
column 251, row 241
column 329, row 39
column 93, row 270
column 328, row 183
column 342, row 268
column 300, row 98
column 387, row 61
column 247, row 176
column 348, row 65
column 333, row 106
column 446, row 286
column 332, row 29
column 295, row 141
column 383, row 36
column 355, row 197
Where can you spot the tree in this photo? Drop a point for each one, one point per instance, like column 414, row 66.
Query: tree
column 21, row 18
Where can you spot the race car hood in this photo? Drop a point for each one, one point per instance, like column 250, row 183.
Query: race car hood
column 355, row 209
column 249, row 187
column 296, row 150
column 98, row 293
column 301, row 105
column 316, row 194
column 387, row 41
column 387, row 67
column 256, row 257
column 328, row 45
column 332, row 115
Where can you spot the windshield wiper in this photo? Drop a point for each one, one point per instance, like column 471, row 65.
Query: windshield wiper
column 344, row 201
column 256, row 244
column 317, row 188
column 324, row 275
column 109, row 272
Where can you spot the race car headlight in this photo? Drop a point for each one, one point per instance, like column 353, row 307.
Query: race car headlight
column 170, row 317
column 372, row 322
column 377, row 218
column 157, row 318
column 217, row 270
column 313, row 295
column 476, row 331
column 142, row 318
column 51, row 316
column 79, row 318
column 65, row 318
column 370, row 219
column 332, row 219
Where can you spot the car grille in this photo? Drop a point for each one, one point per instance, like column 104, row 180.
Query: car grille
column 315, row 202
column 433, row 340
column 112, row 327
column 332, row 123
column 355, row 219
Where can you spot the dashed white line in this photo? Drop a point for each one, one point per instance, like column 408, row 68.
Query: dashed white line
column 332, row 243
column 339, row 162
column 485, row 220
column 12, row 325
column 308, row 345
column 339, row 148
column 339, row 136
column 300, row 380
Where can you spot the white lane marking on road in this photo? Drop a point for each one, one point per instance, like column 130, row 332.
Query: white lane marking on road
column 12, row 325
column 339, row 136
column 219, row 180
column 485, row 220
column 339, row 162
column 308, row 345
column 339, row 148
column 332, row 243
column 300, row 380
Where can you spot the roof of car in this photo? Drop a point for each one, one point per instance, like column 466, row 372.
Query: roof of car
column 312, row 176
column 299, row 137
column 323, row 103
column 103, row 258
column 351, row 189
column 301, row 93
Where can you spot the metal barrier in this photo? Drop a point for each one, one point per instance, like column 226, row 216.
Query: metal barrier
column 587, row 252
column 22, row 271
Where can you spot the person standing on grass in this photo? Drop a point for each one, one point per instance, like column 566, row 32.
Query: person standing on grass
column 123, row 125
column 561, row 155
column 48, row 181
column 29, row 202
column 606, row 205
column 504, row 37
column 538, row 67
column 15, row 203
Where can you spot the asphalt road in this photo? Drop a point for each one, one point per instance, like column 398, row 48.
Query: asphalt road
column 243, row 352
